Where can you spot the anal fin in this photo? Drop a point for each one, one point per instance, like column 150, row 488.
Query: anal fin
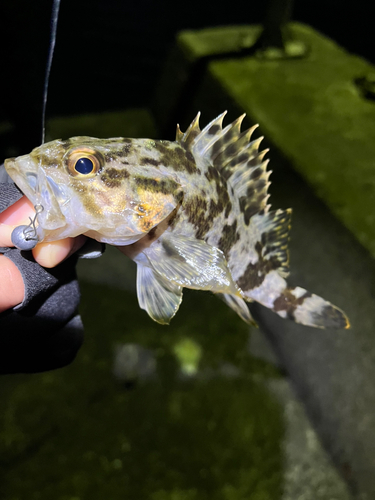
column 239, row 306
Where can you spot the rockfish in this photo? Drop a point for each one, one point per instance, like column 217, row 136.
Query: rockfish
column 192, row 213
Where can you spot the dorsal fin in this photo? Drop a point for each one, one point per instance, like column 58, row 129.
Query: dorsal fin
column 186, row 139
column 251, row 186
column 274, row 228
column 238, row 159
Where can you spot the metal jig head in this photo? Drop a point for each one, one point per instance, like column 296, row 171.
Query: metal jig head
column 25, row 237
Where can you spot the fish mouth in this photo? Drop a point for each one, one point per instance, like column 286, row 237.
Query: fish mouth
column 24, row 174
column 39, row 188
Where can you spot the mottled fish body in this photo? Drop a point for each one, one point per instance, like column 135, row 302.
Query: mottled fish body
column 191, row 213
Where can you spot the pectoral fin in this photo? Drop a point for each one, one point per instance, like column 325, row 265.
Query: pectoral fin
column 191, row 263
column 157, row 296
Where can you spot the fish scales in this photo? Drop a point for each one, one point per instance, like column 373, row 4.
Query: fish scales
column 191, row 213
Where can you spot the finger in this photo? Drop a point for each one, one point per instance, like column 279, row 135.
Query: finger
column 15, row 215
column 12, row 287
column 51, row 253
column 46, row 254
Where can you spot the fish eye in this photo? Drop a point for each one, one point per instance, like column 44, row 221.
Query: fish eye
column 84, row 166
column 83, row 162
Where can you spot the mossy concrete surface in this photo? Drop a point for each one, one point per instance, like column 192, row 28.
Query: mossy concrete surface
column 310, row 109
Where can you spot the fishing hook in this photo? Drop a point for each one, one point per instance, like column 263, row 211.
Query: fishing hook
column 25, row 237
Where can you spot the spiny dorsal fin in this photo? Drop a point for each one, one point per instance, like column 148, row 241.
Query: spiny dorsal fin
column 230, row 151
column 251, row 186
column 186, row 139
column 214, row 135
column 179, row 134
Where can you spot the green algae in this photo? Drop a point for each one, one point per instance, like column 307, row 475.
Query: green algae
column 77, row 433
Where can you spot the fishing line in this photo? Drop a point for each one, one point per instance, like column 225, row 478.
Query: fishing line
column 52, row 43
column 26, row 237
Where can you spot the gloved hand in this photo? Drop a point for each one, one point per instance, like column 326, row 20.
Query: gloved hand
column 40, row 328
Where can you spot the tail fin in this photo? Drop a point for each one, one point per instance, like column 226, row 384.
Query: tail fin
column 308, row 309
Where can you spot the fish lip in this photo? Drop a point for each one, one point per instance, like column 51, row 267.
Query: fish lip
column 23, row 173
column 35, row 183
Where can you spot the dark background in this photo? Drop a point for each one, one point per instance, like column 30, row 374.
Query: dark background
column 109, row 53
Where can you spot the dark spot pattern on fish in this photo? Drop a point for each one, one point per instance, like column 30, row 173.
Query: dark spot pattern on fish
column 214, row 129
column 202, row 214
column 121, row 152
column 216, row 148
column 223, row 149
column 272, row 238
column 256, row 173
column 195, row 208
column 250, row 191
column 172, row 221
column 192, row 135
column 288, row 302
column 149, row 161
column 89, row 199
column 171, row 251
column 124, row 151
column 253, row 162
column 261, row 184
column 248, row 208
column 48, row 161
column 255, row 273
column 231, row 151
column 113, row 177
column 176, row 158
column 329, row 317
column 163, row 186
column 228, row 209
column 242, row 158
column 151, row 233
column 229, row 237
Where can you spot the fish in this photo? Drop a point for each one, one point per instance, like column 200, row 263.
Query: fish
column 192, row 213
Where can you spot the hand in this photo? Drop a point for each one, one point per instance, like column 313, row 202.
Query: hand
column 46, row 254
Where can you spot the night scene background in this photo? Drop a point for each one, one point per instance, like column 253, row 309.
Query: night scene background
column 203, row 409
